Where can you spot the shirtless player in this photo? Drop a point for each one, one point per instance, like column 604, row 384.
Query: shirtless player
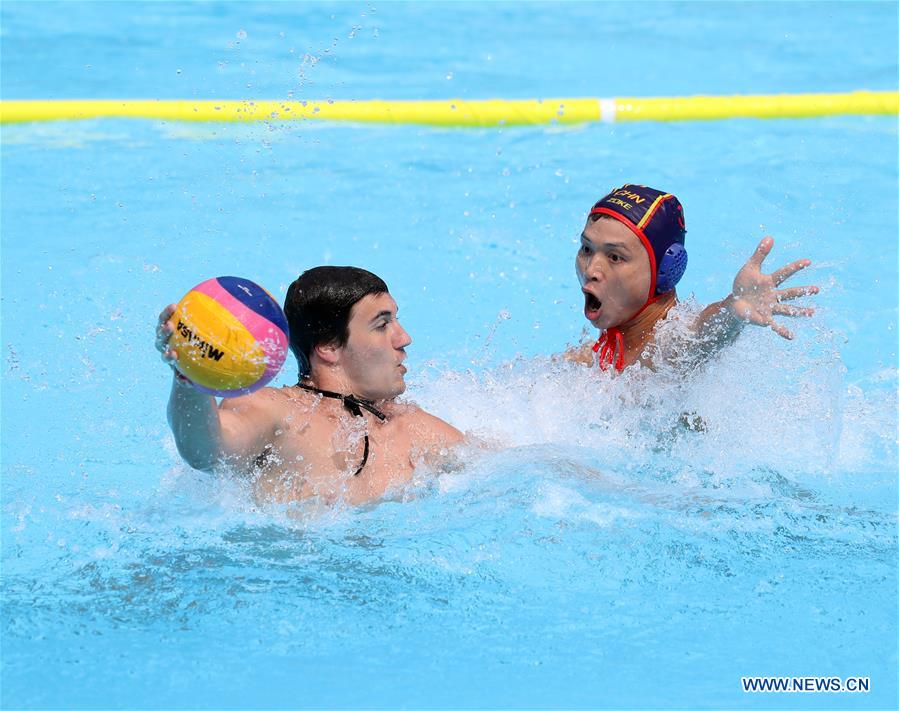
column 339, row 434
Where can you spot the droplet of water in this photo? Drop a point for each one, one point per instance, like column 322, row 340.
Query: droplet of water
column 241, row 34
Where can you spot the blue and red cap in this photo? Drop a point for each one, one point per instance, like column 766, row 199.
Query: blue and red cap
column 657, row 219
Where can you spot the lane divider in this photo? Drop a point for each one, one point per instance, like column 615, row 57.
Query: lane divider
column 459, row 113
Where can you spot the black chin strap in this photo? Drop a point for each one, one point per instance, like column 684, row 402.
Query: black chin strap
column 355, row 405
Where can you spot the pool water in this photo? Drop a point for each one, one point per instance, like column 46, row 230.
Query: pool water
column 590, row 548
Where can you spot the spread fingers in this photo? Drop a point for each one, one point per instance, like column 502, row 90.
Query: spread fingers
column 795, row 292
column 781, row 331
column 761, row 252
column 784, row 273
column 787, row 310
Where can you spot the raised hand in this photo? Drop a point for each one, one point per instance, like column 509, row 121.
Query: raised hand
column 756, row 298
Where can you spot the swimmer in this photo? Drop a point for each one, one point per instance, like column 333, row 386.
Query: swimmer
column 632, row 255
column 338, row 434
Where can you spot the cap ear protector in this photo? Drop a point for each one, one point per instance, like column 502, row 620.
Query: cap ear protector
column 672, row 268
column 657, row 219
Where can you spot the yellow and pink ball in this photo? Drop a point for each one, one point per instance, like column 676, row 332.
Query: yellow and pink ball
column 230, row 335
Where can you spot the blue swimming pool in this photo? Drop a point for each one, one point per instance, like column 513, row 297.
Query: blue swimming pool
column 594, row 552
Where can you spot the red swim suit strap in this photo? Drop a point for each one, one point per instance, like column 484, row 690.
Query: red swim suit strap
column 611, row 344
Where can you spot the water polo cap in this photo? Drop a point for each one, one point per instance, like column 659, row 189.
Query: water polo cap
column 657, row 219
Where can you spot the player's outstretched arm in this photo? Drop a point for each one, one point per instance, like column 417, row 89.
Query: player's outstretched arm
column 755, row 299
column 207, row 435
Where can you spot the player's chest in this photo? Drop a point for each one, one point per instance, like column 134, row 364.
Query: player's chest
column 352, row 460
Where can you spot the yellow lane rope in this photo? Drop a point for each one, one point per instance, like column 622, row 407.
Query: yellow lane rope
column 459, row 113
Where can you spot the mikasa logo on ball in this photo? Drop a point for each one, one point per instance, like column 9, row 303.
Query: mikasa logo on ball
column 206, row 350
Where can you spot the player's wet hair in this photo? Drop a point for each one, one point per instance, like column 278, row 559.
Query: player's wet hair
column 318, row 306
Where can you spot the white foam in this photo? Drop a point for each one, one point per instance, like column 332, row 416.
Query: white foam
column 764, row 403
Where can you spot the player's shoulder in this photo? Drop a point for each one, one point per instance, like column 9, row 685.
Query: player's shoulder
column 271, row 400
column 401, row 411
column 422, row 423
